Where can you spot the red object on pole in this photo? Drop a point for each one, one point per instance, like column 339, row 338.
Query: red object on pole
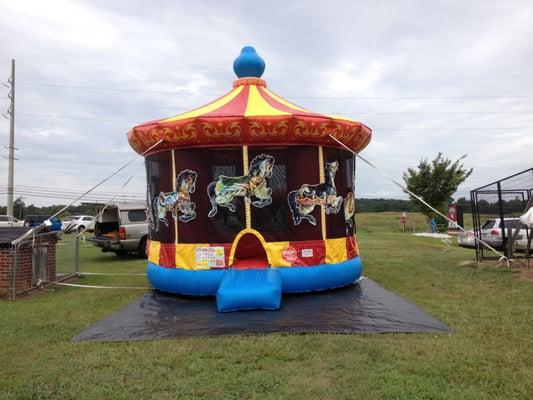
column 403, row 219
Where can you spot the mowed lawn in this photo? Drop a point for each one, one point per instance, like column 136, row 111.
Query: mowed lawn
column 488, row 356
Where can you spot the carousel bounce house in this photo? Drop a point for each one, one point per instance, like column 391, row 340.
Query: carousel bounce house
column 249, row 196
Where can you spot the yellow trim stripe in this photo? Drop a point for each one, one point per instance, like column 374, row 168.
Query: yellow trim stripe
column 247, row 207
column 154, row 249
column 173, row 189
column 257, row 106
column 185, row 254
column 207, row 108
column 322, row 180
column 274, row 251
column 336, row 251
column 285, row 102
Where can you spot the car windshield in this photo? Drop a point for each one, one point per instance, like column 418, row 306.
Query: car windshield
column 489, row 224
column 511, row 223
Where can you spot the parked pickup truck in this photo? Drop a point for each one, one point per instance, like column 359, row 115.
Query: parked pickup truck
column 121, row 228
column 7, row 221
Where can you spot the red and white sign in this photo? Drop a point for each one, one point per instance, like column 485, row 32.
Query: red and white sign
column 289, row 254
column 403, row 217
column 307, row 253
column 453, row 215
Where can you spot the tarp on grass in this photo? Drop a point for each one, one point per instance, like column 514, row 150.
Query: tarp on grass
column 361, row 308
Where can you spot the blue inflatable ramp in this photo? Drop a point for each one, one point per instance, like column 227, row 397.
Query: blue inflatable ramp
column 249, row 289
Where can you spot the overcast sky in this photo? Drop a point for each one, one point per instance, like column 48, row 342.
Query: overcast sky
column 426, row 76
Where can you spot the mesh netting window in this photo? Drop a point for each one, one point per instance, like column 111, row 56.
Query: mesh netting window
column 336, row 223
column 218, row 202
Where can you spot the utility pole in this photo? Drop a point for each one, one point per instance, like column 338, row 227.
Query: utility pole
column 11, row 156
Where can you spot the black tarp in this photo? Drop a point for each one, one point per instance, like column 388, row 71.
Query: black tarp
column 361, row 308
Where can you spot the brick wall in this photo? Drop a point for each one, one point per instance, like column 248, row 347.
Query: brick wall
column 25, row 265
column 5, row 271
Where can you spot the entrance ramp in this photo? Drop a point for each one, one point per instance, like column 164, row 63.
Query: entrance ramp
column 249, row 289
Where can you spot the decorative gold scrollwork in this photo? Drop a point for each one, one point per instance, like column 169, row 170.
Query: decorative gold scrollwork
column 258, row 131
column 171, row 135
column 188, row 134
column 303, row 129
column 232, row 130
column 281, row 128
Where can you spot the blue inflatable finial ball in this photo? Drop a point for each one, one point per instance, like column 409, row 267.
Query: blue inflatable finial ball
column 248, row 63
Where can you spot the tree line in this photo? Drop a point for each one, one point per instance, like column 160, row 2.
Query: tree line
column 21, row 210
column 435, row 181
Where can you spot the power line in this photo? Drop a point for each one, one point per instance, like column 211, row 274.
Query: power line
column 74, row 117
column 293, row 97
column 70, row 195
column 30, row 192
column 345, row 112
column 45, row 189
column 65, row 197
column 452, row 129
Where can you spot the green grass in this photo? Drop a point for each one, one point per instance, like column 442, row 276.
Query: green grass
column 488, row 356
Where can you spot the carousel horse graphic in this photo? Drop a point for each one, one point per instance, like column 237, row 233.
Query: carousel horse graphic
column 349, row 208
column 223, row 191
column 178, row 201
column 303, row 201
column 153, row 222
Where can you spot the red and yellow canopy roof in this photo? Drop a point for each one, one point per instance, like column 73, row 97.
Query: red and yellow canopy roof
column 249, row 114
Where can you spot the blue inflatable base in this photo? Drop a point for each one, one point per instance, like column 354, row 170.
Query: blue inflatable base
column 249, row 290
column 294, row 279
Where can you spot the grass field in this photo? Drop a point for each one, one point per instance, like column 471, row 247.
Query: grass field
column 488, row 356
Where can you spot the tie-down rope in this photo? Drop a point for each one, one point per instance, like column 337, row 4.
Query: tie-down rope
column 100, row 287
column 406, row 190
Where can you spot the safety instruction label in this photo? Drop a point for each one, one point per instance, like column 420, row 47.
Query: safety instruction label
column 208, row 257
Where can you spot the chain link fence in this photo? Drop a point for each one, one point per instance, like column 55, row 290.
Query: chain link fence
column 40, row 259
column 496, row 209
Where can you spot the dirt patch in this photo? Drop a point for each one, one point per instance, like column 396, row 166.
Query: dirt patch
column 523, row 269
column 519, row 268
column 464, row 263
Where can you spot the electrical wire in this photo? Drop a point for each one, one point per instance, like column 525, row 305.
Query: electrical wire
column 62, row 191
column 336, row 112
column 31, row 231
column 293, row 97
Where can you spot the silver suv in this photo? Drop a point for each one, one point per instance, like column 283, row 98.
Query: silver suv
column 121, row 228
column 491, row 233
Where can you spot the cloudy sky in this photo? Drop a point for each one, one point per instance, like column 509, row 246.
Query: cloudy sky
column 448, row 76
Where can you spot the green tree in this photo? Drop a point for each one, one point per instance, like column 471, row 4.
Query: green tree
column 19, row 208
column 435, row 182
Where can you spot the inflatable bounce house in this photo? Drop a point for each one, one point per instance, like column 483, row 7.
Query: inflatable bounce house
column 249, row 197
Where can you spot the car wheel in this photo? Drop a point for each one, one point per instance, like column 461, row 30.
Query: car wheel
column 81, row 229
column 142, row 247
